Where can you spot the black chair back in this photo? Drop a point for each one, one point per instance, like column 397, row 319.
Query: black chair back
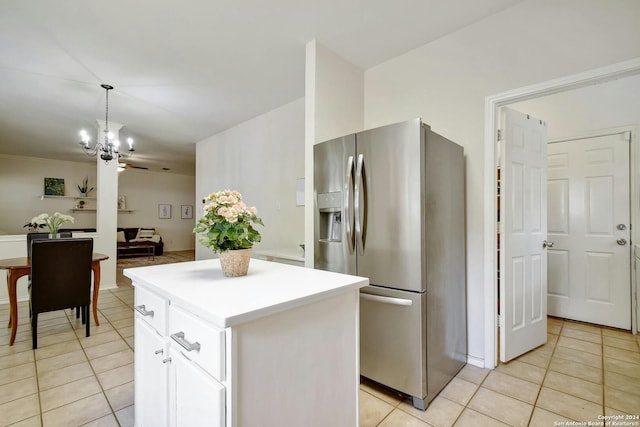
column 60, row 277
column 40, row 236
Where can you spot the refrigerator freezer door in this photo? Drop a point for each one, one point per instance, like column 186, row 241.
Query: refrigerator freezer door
column 392, row 339
column 389, row 197
column 333, row 174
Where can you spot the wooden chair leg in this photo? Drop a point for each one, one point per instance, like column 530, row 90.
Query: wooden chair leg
column 34, row 330
column 78, row 312
column 84, row 317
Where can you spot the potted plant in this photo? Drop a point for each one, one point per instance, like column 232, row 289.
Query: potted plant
column 52, row 221
column 84, row 188
column 33, row 227
column 227, row 228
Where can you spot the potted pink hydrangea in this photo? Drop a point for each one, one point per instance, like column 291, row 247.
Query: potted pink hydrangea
column 226, row 227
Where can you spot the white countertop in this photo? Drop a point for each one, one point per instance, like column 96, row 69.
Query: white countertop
column 292, row 254
column 268, row 288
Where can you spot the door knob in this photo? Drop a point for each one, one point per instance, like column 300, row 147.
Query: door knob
column 622, row 242
column 621, row 227
column 547, row 244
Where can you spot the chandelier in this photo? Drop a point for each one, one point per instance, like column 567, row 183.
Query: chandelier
column 110, row 148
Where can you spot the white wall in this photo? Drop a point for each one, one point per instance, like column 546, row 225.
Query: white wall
column 144, row 191
column 446, row 82
column 22, row 184
column 261, row 158
column 568, row 114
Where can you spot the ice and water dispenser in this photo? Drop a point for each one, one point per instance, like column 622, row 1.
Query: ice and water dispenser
column 330, row 216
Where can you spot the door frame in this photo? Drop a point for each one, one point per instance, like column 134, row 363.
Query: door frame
column 492, row 106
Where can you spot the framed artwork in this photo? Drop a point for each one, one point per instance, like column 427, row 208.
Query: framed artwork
column 164, row 211
column 54, row 186
column 186, row 211
column 122, row 202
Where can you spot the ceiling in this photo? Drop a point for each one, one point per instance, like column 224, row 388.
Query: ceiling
column 183, row 71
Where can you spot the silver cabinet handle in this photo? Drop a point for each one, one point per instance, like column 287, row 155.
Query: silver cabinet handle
column 179, row 338
column 159, row 351
column 547, row 244
column 142, row 310
column 167, row 360
column 348, row 189
column 387, row 300
column 622, row 242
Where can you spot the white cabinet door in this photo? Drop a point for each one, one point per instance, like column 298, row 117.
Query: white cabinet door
column 195, row 398
column 151, row 377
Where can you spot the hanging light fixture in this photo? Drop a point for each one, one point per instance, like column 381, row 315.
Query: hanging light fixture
column 110, row 148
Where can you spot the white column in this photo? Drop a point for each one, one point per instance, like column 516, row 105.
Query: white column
column 334, row 106
column 107, row 210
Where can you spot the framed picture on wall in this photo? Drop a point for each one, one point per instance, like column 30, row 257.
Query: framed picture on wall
column 54, row 186
column 186, row 211
column 164, row 211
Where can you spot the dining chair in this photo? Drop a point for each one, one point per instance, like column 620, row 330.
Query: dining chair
column 60, row 278
column 40, row 236
column 43, row 236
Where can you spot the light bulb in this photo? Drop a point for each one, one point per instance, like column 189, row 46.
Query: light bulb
column 84, row 136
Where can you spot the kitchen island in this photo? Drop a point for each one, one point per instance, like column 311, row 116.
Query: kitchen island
column 277, row 347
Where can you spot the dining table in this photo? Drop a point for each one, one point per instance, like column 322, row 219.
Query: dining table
column 21, row 266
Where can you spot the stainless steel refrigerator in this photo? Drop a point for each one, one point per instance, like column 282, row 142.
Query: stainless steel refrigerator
column 389, row 205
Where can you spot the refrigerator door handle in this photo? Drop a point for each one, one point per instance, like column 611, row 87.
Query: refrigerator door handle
column 387, row 300
column 348, row 191
column 360, row 211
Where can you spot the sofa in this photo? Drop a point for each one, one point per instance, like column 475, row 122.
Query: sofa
column 130, row 237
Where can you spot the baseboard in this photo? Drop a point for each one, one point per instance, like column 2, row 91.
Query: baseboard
column 475, row 361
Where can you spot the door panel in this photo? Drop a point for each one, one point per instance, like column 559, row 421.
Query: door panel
column 151, row 376
column 391, row 320
column 558, row 206
column 592, row 283
column 333, row 219
column 523, row 289
column 393, row 159
column 558, row 275
column 196, row 399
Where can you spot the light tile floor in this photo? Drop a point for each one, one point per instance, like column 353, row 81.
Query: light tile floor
column 583, row 371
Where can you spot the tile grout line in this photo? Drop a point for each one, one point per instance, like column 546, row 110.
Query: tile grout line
column 546, row 370
column 113, row 412
column 604, row 390
column 95, row 375
column 480, row 386
column 35, row 361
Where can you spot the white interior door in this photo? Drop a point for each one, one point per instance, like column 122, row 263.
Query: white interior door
column 588, row 221
column 523, row 232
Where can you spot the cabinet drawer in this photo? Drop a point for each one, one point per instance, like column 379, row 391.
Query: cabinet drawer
column 199, row 341
column 152, row 309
